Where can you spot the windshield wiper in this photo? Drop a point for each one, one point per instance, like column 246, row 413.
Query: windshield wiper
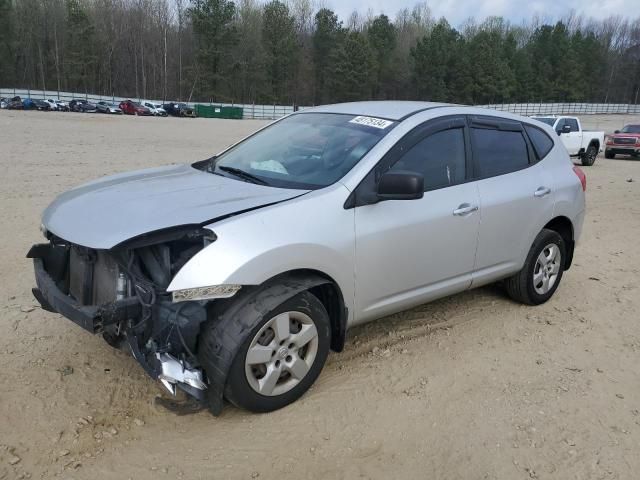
column 242, row 174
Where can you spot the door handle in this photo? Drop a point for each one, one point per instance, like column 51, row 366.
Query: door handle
column 542, row 192
column 465, row 209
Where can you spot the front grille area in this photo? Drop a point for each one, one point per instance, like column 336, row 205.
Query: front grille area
column 624, row 140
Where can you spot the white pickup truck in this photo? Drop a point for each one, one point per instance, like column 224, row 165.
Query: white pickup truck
column 585, row 144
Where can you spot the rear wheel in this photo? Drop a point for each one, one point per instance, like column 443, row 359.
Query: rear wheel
column 282, row 356
column 609, row 155
column 589, row 157
column 542, row 271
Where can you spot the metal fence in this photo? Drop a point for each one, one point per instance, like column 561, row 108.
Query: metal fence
column 250, row 111
column 272, row 112
column 528, row 109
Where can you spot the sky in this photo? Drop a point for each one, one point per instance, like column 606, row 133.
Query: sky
column 457, row 11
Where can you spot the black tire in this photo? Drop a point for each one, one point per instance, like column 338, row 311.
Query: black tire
column 588, row 158
column 520, row 286
column 238, row 390
column 609, row 155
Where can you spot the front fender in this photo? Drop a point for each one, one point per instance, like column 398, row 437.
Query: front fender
column 312, row 232
column 220, row 264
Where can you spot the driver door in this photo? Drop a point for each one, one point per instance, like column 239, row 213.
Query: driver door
column 573, row 138
column 412, row 251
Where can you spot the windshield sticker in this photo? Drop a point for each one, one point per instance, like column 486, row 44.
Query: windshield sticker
column 372, row 122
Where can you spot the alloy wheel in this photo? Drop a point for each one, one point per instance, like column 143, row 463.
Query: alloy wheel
column 281, row 353
column 547, row 268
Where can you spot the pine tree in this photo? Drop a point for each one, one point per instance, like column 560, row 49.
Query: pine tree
column 7, row 39
column 382, row 38
column 215, row 34
column 280, row 43
column 326, row 37
column 434, row 63
column 352, row 68
column 80, row 47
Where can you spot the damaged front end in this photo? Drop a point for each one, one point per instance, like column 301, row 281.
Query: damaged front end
column 121, row 293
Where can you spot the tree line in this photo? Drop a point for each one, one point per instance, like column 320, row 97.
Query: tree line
column 289, row 52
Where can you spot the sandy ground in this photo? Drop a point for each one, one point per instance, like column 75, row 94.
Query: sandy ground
column 470, row 387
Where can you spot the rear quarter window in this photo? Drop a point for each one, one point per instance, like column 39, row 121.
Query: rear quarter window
column 542, row 143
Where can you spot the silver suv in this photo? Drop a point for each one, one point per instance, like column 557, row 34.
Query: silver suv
column 233, row 277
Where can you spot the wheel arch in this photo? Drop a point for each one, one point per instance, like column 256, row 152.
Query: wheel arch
column 328, row 291
column 231, row 321
column 564, row 227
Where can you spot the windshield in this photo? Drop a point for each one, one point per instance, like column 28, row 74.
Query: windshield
column 547, row 120
column 631, row 129
column 307, row 151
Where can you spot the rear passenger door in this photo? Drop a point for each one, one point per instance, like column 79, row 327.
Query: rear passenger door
column 516, row 198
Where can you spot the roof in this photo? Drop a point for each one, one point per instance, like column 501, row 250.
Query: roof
column 388, row 109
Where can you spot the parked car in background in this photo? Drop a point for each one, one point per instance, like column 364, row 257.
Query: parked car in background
column 179, row 110
column 35, row 104
column 130, row 107
column 623, row 142
column 28, row 104
column 583, row 144
column 62, row 106
column 15, row 104
column 83, row 106
column 52, row 104
column 108, row 107
column 234, row 276
column 42, row 105
column 155, row 109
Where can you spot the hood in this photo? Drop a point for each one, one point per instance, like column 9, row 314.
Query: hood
column 103, row 213
column 619, row 135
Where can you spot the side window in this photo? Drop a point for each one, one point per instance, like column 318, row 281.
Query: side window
column 497, row 152
column 573, row 123
column 440, row 158
column 560, row 125
column 542, row 144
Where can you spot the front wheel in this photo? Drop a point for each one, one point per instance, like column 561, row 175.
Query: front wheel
column 282, row 356
column 609, row 155
column 542, row 271
column 589, row 157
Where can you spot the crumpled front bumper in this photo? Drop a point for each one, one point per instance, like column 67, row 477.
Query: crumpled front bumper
column 94, row 318
column 90, row 317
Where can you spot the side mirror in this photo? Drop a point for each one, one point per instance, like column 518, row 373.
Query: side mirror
column 566, row 129
column 401, row 185
column 616, row 131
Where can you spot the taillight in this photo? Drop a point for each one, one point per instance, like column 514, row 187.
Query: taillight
column 583, row 178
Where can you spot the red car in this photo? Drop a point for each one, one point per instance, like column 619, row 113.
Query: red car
column 130, row 107
column 623, row 142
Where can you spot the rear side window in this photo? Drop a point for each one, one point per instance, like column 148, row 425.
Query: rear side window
column 542, row 144
column 440, row 158
column 497, row 152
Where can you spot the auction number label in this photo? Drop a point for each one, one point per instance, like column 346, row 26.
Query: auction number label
column 371, row 122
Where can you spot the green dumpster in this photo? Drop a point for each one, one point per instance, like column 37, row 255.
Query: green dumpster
column 219, row 111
